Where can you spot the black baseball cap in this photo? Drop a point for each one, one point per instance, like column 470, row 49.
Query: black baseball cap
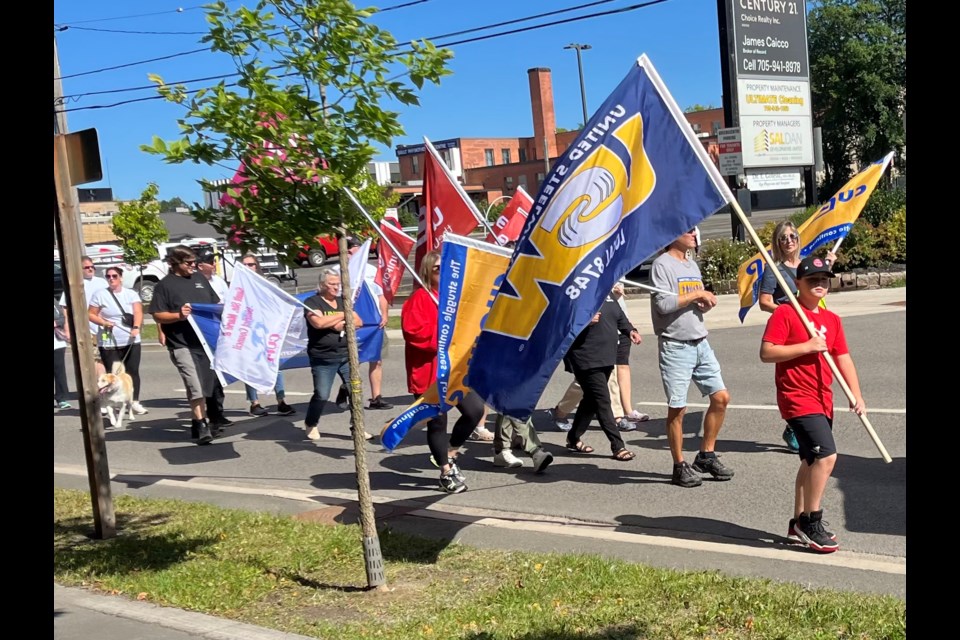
column 812, row 265
column 353, row 241
column 206, row 257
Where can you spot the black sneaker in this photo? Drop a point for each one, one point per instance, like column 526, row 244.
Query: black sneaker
column 811, row 532
column 378, row 403
column 451, row 483
column 793, row 535
column 220, row 422
column 713, row 466
column 257, row 410
column 343, row 395
column 684, row 476
column 204, row 434
column 284, row 409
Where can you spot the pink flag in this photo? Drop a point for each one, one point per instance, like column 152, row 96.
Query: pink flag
column 510, row 223
column 445, row 206
column 390, row 266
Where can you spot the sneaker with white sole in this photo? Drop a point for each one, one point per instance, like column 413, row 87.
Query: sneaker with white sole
column 811, row 533
column 63, row 404
column 541, row 460
column 711, row 464
column 636, row 416
column 138, row 409
column 257, row 410
column 625, row 425
column 563, row 424
column 792, row 533
column 452, row 483
column 506, row 459
column 313, row 433
column 481, row 434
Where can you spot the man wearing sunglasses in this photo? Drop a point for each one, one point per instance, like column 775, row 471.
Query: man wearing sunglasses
column 91, row 284
column 171, row 308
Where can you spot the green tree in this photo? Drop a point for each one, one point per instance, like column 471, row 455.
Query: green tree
column 858, row 71
column 698, row 107
column 138, row 226
column 172, row 204
column 302, row 117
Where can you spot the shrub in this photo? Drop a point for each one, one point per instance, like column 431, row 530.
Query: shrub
column 884, row 203
column 892, row 238
column 720, row 258
column 860, row 248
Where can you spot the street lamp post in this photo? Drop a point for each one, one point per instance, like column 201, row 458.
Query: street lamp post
column 583, row 93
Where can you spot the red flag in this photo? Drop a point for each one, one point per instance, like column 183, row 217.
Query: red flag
column 445, row 207
column 510, row 223
column 390, row 266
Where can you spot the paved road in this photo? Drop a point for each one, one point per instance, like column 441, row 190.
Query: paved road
column 587, row 503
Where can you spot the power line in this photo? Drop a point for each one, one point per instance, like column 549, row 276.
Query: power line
column 440, row 45
column 66, row 25
column 138, row 15
column 139, row 33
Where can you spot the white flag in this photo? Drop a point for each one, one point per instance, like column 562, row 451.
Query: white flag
column 357, row 266
column 256, row 318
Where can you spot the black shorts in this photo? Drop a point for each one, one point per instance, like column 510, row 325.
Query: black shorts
column 623, row 349
column 814, row 436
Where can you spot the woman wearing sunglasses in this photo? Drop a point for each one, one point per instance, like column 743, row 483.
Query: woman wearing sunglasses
column 786, row 255
column 118, row 313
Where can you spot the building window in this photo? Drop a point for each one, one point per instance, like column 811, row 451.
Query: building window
column 522, row 180
column 716, row 128
column 696, row 127
column 415, row 161
column 505, row 155
column 523, row 155
column 488, row 157
column 540, row 176
column 509, row 181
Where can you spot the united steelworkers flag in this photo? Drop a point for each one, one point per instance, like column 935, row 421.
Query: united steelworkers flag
column 831, row 223
column 470, row 272
column 635, row 179
column 390, row 266
column 510, row 222
column 446, row 208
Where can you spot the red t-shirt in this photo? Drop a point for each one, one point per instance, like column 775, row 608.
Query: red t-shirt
column 804, row 383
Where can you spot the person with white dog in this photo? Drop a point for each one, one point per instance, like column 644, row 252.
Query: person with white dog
column 118, row 313
column 171, row 308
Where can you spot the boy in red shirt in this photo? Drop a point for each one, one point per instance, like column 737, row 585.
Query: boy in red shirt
column 805, row 397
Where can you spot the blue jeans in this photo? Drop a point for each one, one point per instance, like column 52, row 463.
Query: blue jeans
column 323, row 373
column 277, row 389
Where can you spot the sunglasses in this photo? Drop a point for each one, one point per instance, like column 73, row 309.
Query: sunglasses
column 250, row 264
column 112, row 277
column 90, row 268
column 436, row 268
column 788, row 237
column 190, row 262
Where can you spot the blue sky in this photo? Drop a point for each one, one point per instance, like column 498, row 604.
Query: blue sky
column 487, row 94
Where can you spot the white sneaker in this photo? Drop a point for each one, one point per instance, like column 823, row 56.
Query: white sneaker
column 563, row 425
column 506, row 459
column 636, row 416
column 104, row 411
column 138, row 409
column 481, row 434
column 623, row 424
column 313, row 433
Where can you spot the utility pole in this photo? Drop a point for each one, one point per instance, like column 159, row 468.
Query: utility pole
column 60, row 126
column 583, row 92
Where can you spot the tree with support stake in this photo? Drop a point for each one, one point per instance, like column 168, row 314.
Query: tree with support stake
column 301, row 121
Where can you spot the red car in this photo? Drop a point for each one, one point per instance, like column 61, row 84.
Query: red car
column 316, row 254
column 325, row 247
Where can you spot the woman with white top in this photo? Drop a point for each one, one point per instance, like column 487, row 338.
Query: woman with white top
column 119, row 314
column 61, row 336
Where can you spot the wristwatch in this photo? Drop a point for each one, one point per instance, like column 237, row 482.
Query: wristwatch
column 134, row 327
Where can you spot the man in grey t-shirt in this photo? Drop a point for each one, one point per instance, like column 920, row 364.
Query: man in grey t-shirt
column 685, row 356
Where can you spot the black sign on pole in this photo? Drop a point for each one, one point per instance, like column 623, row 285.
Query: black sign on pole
column 83, row 156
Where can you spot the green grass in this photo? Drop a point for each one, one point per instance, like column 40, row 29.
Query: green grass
column 307, row 578
column 393, row 322
column 899, row 282
column 149, row 332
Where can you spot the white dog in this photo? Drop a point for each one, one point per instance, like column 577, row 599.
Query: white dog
column 116, row 391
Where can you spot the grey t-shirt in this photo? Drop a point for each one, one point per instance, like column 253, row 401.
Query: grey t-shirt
column 679, row 276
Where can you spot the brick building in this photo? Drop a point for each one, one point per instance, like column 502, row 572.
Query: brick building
column 489, row 168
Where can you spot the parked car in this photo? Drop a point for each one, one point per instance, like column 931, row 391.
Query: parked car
column 317, row 253
column 144, row 279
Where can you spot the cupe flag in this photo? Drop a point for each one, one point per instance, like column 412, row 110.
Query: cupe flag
column 635, row 179
column 830, row 224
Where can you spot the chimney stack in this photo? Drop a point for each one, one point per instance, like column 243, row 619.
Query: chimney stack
column 544, row 117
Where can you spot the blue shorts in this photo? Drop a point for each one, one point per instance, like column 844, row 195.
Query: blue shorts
column 683, row 362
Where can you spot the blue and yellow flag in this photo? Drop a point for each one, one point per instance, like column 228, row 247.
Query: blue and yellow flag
column 831, row 223
column 635, row 179
column 470, row 272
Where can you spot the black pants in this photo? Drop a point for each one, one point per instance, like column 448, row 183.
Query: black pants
column 215, row 402
column 471, row 413
column 60, row 388
column 596, row 402
column 130, row 356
